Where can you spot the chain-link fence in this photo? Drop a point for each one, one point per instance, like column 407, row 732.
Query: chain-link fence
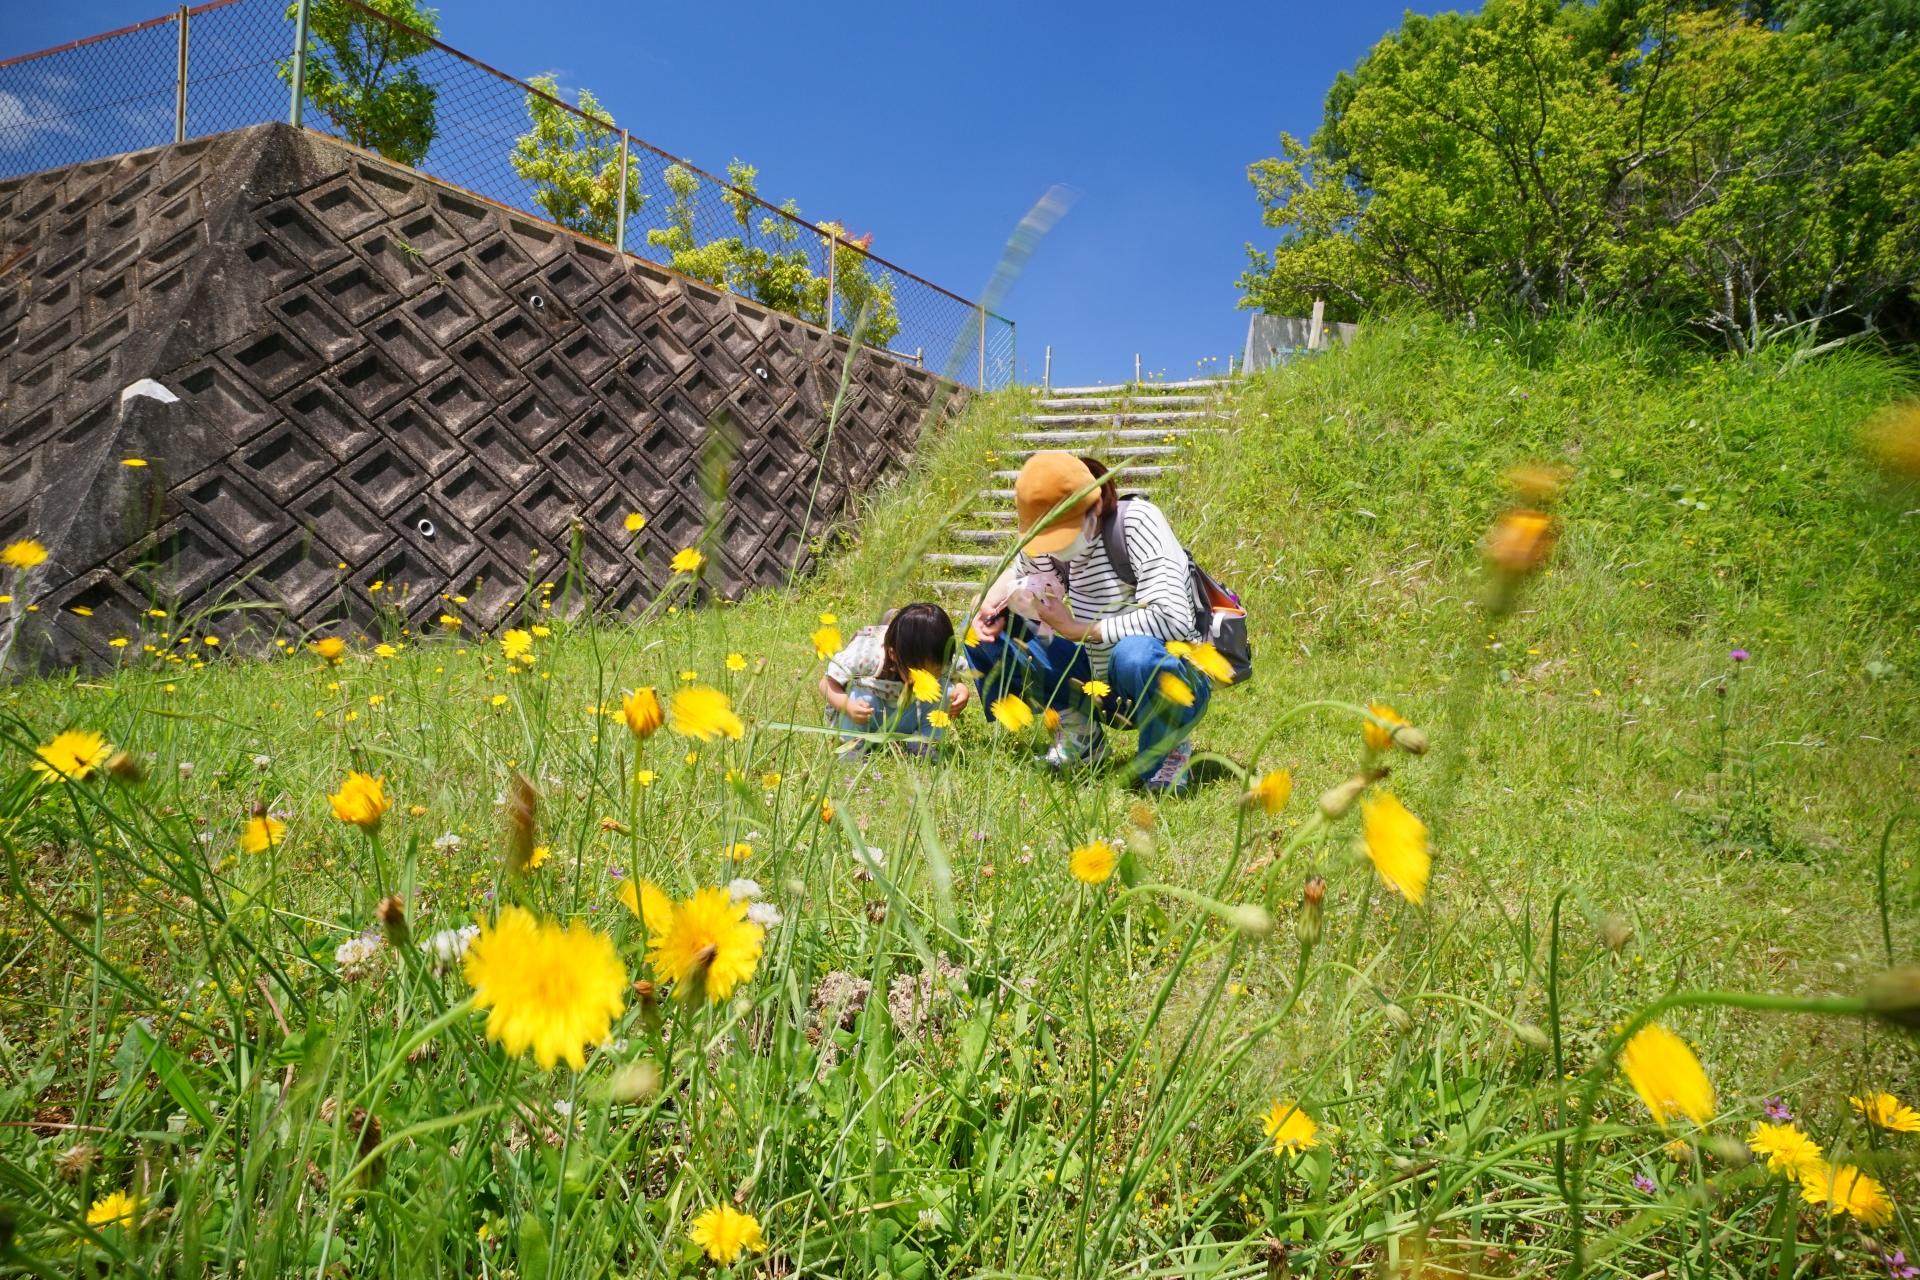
column 398, row 91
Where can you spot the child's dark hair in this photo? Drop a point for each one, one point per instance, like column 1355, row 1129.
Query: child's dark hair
column 918, row 636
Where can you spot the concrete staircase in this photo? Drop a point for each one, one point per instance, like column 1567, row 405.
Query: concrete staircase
column 1139, row 429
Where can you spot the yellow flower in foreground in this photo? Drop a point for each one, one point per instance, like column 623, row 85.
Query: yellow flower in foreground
column 705, row 714
column 826, row 642
column 1844, row 1189
column 1212, row 663
column 1175, row 690
column 360, row 800
column 1096, row 689
column 1397, row 845
column 1290, row 1128
column 724, row 1232
column 1271, row 791
column 115, row 1207
column 1012, row 714
column 516, row 644
column 332, row 648
column 72, row 755
column 1787, row 1150
column 23, row 554
column 650, row 903
column 705, row 946
column 546, row 989
column 261, row 833
column 1520, row 542
column 1666, row 1075
column 1093, row 862
column 687, row 560
column 634, row 522
column 926, row 685
column 1051, row 719
column 642, row 711
column 1379, row 737
column 1884, row 1111
column 939, row 719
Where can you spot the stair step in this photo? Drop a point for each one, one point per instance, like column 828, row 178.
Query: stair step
column 963, row 559
column 1091, row 402
column 1170, row 415
column 1131, row 451
column 1118, row 473
column 998, row 515
column 950, row 587
column 1118, row 435
column 981, row 535
column 1137, row 388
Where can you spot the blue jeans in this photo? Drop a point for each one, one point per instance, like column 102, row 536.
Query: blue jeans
column 908, row 718
column 1050, row 673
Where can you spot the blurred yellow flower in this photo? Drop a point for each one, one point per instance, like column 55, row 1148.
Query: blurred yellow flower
column 1666, row 1075
column 386, row 651
column 1271, row 791
column 1894, row 439
column 1520, row 542
column 1093, row 862
column 829, row 619
column 736, row 662
column 1396, row 843
column 450, row 622
column 516, row 644
column 705, row 714
column 724, row 1233
column 1175, row 690
column 1050, row 720
column 1884, row 1111
column 642, row 711
column 360, row 800
column 1096, row 689
column 939, row 719
column 545, row 988
column 1845, row 1189
column 645, row 777
column 498, row 700
column 826, row 642
column 1012, row 713
column 1787, row 1149
column 23, row 554
column 114, row 1208
column 740, row 851
column 826, row 811
column 133, row 462
column 706, row 947
column 332, row 648
column 1379, row 737
column 646, row 900
column 261, row 833
column 1212, row 663
column 926, row 685
column 72, row 755
column 634, row 522
column 1290, row 1128
column 538, row 856
column 687, row 560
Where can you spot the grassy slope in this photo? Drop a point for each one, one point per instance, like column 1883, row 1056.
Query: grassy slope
column 1584, row 746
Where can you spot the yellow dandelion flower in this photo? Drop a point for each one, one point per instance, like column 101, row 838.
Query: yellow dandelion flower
column 1396, row 843
column 72, row 755
column 649, row 902
column 450, row 622
column 642, row 711
column 688, row 677
column 645, row 777
column 634, row 522
column 939, row 719
column 119, row 642
column 1884, row 1111
column 386, row 651
column 133, row 462
column 739, row 851
column 497, row 700
column 926, row 685
column 708, row 946
column 826, row 811
column 1175, row 690
column 1096, row 689
column 826, row 642
column 332, row 648
column 23, row 554
column 545, row 988
column 736, row 662
column 1271, row 791
column 1379, row 737
column 687, row 560
column 80, row 611
column 516, row 644
column 705, row 714
column 1667, row 1076
column 1212, row 663
column 829, row 619
column 1290, row 1128
column 113, row 1209
column 1012, row 714
column 1845, row 1189
column 1787, row 1149
column 1520, row 542
column 538, row 856
column 1093, row 862
column 360, row 800
column 725, row 1233
column 261, row 833
column 1050, row 719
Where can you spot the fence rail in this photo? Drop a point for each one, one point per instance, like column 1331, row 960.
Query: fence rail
column 370, row 80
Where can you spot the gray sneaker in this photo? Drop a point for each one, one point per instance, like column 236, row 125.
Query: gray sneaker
column 1079, row 744
column 1171, row 775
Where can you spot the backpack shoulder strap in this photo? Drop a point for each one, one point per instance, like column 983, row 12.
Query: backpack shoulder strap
column 1113, row 537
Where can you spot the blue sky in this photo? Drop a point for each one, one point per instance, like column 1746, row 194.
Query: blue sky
column 936, row 127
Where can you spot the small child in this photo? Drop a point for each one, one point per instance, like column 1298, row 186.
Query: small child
column 870, row 683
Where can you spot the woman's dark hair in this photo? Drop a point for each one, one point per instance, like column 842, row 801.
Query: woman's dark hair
column 1108, row 492
column 918, row 636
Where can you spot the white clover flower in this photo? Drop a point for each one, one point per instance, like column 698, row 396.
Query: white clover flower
column 356, row 955
column 765, row 914
column 447, row 842
column 449, row 946
column 186, row 769
column 742, row 889
column 263, row 762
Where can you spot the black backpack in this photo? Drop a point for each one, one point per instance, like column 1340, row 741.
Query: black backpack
column 1218, row 614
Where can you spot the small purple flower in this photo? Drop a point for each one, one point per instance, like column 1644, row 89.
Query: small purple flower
column 1898, row 1268
column 1778, row 1111
column 615, row 872
column 1643, row 1184
column 1739, row 655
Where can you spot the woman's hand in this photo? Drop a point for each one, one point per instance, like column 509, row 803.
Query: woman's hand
column 958, row 695
column 1056, row 614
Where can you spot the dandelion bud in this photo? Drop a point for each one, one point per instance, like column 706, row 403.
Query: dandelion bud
column 1141, row 815
column 1251, row 920
column 76, row 1161
column 1312, row 909
column 366, row 1129
column 1335, row 802
column 1397, row 1018
column 643, row 713
column 1410, row 739
column 1894, row 996
column 1532, row 1035
column 123, row 768
column 647, row 996
column 1274, row 1251
column 1615, row 933
column 392, row 914
column 523, row 807
column 636, row 1082
column 877, row 912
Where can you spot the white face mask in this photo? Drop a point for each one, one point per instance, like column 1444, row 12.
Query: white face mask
column 1076, row 550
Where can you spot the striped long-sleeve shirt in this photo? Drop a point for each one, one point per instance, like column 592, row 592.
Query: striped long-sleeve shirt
column 1159, row 604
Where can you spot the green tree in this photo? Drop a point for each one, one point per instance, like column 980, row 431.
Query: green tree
column 357, row 74
column 572, row 158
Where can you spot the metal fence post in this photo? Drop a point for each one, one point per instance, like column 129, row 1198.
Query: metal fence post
column 1046, row 368
column 180, row 84
column 832, row 271
column 983, row 349
column 620, row 211
column 299, row 63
